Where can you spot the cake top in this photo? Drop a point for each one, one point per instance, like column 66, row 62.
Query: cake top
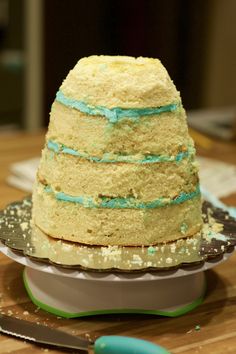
column 120, row 81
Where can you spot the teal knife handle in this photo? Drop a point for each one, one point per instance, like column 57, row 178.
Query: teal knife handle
column 126, row 345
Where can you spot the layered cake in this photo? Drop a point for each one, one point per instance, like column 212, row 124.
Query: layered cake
column 118, row 166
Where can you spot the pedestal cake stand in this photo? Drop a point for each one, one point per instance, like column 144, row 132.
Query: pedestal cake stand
column 71, row 290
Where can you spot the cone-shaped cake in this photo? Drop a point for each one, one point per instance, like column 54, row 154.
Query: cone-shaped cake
column 118, row 167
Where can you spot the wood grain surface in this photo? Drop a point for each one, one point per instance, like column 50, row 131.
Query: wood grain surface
column 211, row 328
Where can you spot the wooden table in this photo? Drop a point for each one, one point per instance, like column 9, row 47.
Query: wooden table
column 216, row 317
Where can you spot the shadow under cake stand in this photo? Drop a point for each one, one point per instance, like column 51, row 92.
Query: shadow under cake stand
column 62, row 278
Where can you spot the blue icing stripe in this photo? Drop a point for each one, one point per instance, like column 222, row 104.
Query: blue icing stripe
column 86, row 202
column 122, row 203
column 48, row 189
column 107, row 158
column 70, row 151
column 116, row 113
column 53, row 146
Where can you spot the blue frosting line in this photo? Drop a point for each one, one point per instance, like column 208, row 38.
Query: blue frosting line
column 123, row 203
column 60, row 148
column 116, row 113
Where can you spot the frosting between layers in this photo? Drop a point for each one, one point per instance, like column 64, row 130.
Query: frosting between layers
column 113, row 158
column 116, row 113
column 122, row 203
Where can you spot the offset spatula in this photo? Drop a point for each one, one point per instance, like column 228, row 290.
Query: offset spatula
column 38, row 333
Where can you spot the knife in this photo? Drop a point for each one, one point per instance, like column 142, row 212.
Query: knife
column 103, row 345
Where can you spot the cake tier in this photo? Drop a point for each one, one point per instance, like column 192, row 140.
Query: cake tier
column 115, row 226
column 145, row 181
column 120, row 81
column 164, row 133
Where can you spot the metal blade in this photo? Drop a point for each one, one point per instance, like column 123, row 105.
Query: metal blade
column 41, row 334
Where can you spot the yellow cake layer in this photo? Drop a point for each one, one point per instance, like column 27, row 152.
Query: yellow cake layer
column 77, row 176
column 165, row 133
column 120, row 81
column 128, row 227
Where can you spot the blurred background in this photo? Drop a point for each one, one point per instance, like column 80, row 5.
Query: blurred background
column 40, row 41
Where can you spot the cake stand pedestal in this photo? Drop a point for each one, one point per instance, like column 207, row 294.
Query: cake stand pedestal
column 74, row 297
column 73, row 293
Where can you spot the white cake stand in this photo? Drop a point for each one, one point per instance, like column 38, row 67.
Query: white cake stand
column 73, row 293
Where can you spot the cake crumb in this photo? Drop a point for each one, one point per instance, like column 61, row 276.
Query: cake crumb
column 25, row 313
column 151, row 250
column 173, row 248
column 183, row 228
column 87, row 335
column 19, row 212
column 137, row 259
column 24, row 226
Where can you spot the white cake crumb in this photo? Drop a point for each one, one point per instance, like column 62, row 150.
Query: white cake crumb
column 67, row 248
column 19, row 212
column 24, row 226
column 137, row 259
column 85, row 261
